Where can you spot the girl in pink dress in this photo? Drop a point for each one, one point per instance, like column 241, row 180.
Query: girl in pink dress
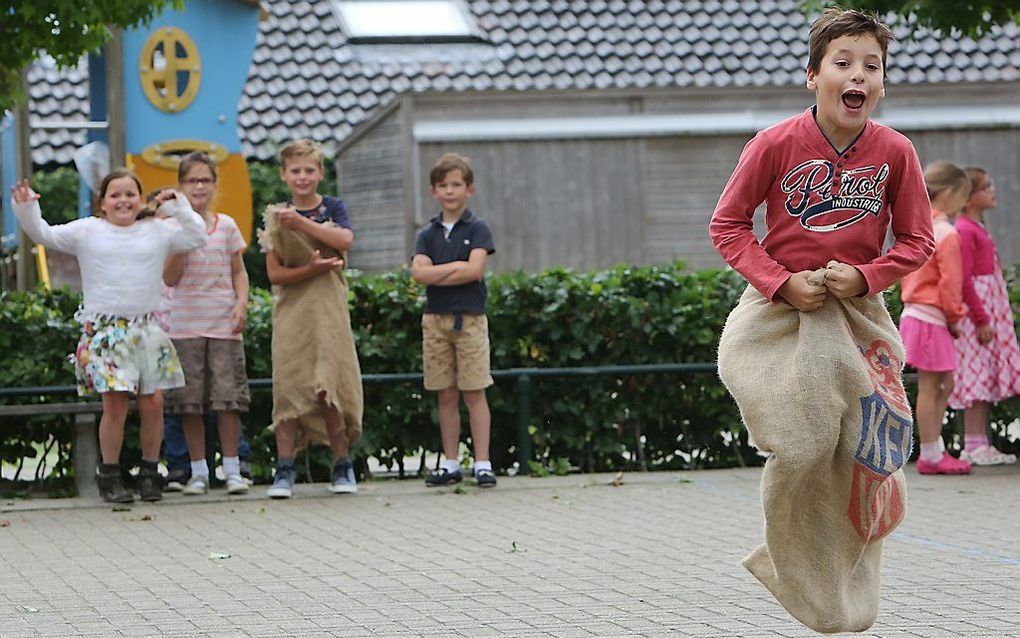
column 988, row 366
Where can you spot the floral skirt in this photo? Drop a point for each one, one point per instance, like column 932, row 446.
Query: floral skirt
column 989, row 372
column 116, row 354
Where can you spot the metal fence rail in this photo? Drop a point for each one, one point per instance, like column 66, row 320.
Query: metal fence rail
column 523, row 384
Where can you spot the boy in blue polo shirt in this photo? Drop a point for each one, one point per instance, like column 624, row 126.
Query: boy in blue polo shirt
column 450, row 254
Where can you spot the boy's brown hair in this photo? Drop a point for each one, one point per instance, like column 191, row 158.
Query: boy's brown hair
column 835, row 23
column 452, row 162
column 303, row 148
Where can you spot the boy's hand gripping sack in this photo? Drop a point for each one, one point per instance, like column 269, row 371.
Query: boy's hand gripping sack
column 822, row 393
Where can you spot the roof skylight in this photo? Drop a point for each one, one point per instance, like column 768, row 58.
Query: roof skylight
column 405, row 21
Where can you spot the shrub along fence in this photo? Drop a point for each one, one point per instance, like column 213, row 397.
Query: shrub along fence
column 554, row 319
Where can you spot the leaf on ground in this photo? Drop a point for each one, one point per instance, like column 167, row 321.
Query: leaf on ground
column 218, row 556
column 617, row 480
column 514, row 549
column 5, row 523
column 459, row 490
column 121, row 508
column 31, row 610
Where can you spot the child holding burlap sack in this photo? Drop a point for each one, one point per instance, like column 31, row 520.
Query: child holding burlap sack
column 810, row 353
column 317, row 393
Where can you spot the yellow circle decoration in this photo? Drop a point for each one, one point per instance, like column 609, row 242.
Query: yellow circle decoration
column 168, row 154
column 170, row 69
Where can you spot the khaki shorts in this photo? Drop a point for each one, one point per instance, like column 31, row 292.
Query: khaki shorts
column 455, row 359
column 214, row 377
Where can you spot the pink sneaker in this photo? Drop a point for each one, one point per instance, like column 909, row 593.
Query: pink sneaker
column 987, row 455
column 946, row 465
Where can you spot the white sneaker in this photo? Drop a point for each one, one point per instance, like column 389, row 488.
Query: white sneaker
column 236, row 484
column 196, row 485
column 988, row 455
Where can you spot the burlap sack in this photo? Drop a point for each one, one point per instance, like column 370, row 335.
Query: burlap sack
column 822, row 392
column 313, row 345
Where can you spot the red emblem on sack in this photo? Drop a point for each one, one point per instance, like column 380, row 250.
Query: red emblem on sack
column 876, row 503
column 884, row 368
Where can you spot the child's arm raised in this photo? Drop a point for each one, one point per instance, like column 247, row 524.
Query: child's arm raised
column 281, row 275
column 192, row 232
column 64, row 237
column 336, row 237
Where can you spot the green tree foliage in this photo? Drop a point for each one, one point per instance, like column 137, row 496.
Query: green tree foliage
column 951, row 17
column 65, row 29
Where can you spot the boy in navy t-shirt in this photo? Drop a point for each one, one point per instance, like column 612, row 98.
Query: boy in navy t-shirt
column 450, row 255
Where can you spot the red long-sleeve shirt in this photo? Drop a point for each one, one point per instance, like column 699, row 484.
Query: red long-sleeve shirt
column 823, row 205
column 979, row 257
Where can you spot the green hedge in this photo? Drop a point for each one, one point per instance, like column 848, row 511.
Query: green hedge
column 625, row 315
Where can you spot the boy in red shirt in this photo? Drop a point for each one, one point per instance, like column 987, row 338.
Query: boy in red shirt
column 810, row 354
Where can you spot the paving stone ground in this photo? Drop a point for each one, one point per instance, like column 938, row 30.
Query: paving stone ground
column 658, row 555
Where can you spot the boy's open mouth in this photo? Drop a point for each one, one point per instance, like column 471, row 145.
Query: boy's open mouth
column 853, row 99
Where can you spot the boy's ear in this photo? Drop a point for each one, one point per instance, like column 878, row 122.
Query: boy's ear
column 811, row 80
column 471, row 190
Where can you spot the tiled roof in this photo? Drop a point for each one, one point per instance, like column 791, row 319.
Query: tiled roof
column 308, row 80
column 57, row 94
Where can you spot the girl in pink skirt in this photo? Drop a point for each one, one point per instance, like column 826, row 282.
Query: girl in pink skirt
column 988, row 369
column 932, row 305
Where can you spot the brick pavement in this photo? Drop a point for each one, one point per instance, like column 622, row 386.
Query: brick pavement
column 558, row 556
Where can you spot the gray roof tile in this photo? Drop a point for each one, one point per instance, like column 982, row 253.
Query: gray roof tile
column 527, row 45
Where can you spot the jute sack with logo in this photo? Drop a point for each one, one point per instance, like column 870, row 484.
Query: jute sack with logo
column 822, row 393
column 313, row 344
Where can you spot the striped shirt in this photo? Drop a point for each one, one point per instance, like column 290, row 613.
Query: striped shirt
column 203, row 299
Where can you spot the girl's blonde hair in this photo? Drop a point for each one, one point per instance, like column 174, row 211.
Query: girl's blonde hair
column 117, row 173
column 303, row 148
column 943, row 176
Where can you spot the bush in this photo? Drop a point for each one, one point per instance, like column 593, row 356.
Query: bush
column 558, row 318
column 58, row 192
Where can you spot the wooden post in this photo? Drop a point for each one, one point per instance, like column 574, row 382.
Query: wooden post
column 23, row 170
column 86, row 453
column 113, row 56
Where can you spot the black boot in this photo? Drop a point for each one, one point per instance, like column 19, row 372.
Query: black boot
column 150, row 482
column 110, row 485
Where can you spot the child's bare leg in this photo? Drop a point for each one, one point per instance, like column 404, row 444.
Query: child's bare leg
column 933, row 390
column 449, row 421
column 194, row 434
column 337, row 432
column 480, row 420
column 975, row 419
column 230, row 432
column 111, row 425
column 150, row 412
column 286, row 435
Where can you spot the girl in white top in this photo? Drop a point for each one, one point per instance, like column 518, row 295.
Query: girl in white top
column 122, row 349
